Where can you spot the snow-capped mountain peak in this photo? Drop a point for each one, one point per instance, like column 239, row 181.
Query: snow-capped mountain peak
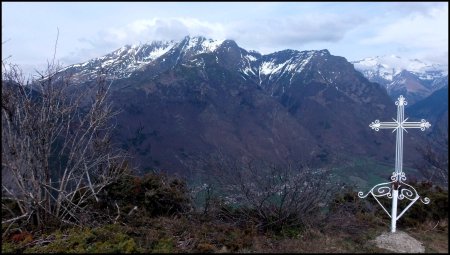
column 122, row 61
column 129, row 58
column 190, row 46
column 207, row 45
column 413, row 78
column 388, row 66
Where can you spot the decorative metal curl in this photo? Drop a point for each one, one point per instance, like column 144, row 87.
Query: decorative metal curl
column 398, row 176
column 401, row 101
column 425, row 200
column 411, row 194
column 394, row 176
column 384, row 189
column 375, row 125
column 380, row 191
column 406, row 193
column 424, row 125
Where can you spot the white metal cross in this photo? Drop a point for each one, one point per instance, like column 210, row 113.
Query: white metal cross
column 398, row 176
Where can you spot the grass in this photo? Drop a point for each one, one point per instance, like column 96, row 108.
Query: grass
column 182, row 234
column 433, row 235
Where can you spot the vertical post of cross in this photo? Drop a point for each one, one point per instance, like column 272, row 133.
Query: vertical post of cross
column 401, row 102
column 394, row 206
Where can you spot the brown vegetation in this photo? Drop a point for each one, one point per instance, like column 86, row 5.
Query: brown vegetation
column 56, row 149
column 156, row 226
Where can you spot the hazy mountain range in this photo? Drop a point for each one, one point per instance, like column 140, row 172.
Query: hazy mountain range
column 412, row 78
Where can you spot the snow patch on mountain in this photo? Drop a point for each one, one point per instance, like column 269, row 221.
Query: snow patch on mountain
column 251, row 58
column 123, row 61
column 201, row 44
column 211, row 45
column 268, row 68
column 159, row 51
column 294, row 64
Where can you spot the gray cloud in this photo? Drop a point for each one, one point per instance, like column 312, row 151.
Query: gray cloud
column 260, row 34
column 421, row 8
column 391, row 28
column 295, row 31
column 142, row 31
column 168, row 29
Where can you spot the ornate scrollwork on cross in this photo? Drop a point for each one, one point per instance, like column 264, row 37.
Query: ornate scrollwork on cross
column 375, row 125
column 406, row 191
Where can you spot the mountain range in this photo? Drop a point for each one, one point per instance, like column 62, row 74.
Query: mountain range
column 183, row 101
column 412, row 78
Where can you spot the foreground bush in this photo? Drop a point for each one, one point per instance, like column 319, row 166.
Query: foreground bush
column 152, row 195
column 57, row 152
column 435, row 211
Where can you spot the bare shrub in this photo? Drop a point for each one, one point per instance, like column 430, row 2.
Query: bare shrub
column 273, row 197
column 56, row 148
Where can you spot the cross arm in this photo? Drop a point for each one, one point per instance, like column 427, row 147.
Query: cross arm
column 377, row 125
column 423, row 124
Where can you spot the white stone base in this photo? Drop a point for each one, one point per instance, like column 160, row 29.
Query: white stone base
column 399, row 242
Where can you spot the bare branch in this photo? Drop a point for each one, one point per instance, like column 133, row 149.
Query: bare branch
column 14, row 219
column 56, row 149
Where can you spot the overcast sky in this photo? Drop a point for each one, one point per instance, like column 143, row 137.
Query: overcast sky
column 351, row 30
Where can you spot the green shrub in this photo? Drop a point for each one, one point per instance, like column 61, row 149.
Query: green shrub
column 418, row 213
column 211, row 236
column 292, row 232
column 164, row 245
column 106, row 239
column 9, row 247
column 154, row 195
